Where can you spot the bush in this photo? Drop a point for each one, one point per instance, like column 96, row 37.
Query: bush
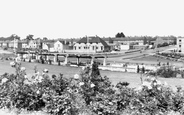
column 87, row 93
column 166, row 72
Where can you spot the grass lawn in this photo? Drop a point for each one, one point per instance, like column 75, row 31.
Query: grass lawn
column 115, row 77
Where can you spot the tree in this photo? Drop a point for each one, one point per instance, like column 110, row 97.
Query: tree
column 45, row 38
column 145, row 40
column 29, row 37
column 17, row 37
column 120, row 35
column 13, row 36
column 110, row 40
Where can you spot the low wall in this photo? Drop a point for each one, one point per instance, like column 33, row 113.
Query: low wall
column 122, row 67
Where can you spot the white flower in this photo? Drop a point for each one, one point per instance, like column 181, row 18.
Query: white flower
column 12, row 64
column 22, row 68
column 38, row 92
column 147, row 84
column 81, row 83
column 25, row 76
column 139, row 88
column 165, row 83
column 76, row 76
column 37, row 73
column 17, row 59
column 110, row 103
column 154, row 83
column 149, row 87
column 153, row 79
column 83, row 68
column 159, row 82
column 4, row 80
column 159, row 88
column 92, row 85
column 69, row 90
column 40, row 78
column 46, row 70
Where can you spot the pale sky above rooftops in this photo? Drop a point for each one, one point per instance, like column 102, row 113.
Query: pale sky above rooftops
column 78, row 18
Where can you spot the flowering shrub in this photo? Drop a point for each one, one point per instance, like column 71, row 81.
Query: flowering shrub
column 164, row 71
column 86, row 93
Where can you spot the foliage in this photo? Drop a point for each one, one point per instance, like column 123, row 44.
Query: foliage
column 120, row 35
column 165, row 71
column 88, row 93
column 29, row 37
column 163, row 45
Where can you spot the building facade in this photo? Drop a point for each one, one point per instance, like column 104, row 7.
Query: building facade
column 180, row 44
column 91, row 45
column 58, row 46
column 13, row 43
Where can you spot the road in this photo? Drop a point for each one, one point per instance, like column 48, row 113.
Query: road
column 131, row 57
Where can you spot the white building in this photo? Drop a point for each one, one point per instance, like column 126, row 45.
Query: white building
column 124, row 46
column 13, row 43
column 36, row 43
column 58, row 46
column 180, row 44
column 91, row 44
column 49, row 47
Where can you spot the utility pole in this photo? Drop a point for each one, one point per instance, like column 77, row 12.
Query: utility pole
column 14, row 43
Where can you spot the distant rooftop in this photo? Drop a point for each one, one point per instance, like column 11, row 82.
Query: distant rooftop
column 92, row 39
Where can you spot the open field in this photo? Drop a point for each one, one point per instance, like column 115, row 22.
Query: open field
column 115, row 77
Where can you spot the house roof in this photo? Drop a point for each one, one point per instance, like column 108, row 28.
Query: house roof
column 48, row 41
column 92, row 39
column 50, row 45
column 61, row 41
column 129, row 39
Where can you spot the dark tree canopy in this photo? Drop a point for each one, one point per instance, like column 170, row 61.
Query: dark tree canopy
column 120, row 35
column 45, row 38
column 29, row 37
column 13, row 36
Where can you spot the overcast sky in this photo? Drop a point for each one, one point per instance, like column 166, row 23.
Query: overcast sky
column 78, row 18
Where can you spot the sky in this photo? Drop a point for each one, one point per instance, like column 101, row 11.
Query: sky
column 78, row 18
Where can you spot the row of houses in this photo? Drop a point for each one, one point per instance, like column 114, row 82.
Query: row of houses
column 86, row 44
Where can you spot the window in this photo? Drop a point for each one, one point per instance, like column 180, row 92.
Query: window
column 180, row 46
column 93, row 47
column 79, row 47
column 96, row 47
column 179, row 40
column 75, row 47
column 101, row 47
